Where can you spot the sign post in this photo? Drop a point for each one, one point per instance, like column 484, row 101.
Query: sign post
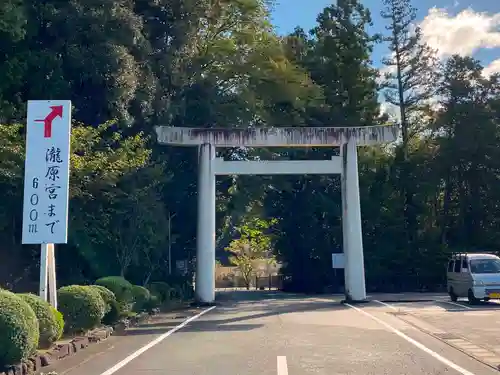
column 46, row 184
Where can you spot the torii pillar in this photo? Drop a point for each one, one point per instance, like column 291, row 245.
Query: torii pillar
column 348, row 139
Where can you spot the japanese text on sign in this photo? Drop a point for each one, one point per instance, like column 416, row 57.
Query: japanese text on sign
column 46, row 184
column 53, row 160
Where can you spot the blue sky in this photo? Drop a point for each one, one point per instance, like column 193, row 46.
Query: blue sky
column 456, row 26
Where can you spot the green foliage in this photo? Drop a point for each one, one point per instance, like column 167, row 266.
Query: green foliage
column 253, row 245
column 113, row 315
column 59, row 321
column 82, row 307
column 47, row 321
column 141, row 295
column 161, row 290
column 224, row 66
column 107, row 295
column 121, row 288
column 19, row 329
column 152, row 303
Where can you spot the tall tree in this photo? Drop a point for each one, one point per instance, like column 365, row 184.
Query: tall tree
column 468, row 132
column 411, row 68
column 341, row 64
column 336, row 55
column 410, row 72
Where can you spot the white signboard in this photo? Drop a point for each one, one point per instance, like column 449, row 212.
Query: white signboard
column 46, row 176
column 338, row 260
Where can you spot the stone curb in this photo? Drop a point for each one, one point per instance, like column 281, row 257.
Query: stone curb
column 36, row 363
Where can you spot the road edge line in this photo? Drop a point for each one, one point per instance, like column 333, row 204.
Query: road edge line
column 457, row 304
column 156, row 341
column 282, row 365
column 386, row 305
column 451, row 344
column 416, row 343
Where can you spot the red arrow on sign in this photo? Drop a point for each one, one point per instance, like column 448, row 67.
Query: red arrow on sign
column 56, row 111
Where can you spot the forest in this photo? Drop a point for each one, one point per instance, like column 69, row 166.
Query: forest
column 131, row 65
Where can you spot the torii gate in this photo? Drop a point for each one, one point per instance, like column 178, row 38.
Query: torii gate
column 348, row 138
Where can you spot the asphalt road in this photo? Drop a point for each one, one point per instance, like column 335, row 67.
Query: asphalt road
column 255, row 333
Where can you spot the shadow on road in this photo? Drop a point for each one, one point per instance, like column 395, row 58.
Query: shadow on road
column 237, row 297
column 243, row 307
column 262, row 304
column 207, row 326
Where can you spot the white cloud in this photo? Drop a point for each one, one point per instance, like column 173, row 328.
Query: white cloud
column 390, row 110
column 494, row 67
column 463, row 33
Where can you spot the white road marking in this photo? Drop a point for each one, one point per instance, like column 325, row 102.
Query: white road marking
column 282, row 366
column 419, row 345
column 156, row 341
column 457, row 304
column 386, row 305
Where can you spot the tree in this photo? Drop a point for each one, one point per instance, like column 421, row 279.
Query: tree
column 336, row 55
column 340, row 64
column 253, row 245
column 100, row 160
column 410, row 70
column 408, row 85
column 467, row 135
column 133, row 224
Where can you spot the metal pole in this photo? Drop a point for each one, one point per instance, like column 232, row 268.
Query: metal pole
column 43, row 271
column 52, row 275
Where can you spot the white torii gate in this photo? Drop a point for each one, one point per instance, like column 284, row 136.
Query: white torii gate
column 346, row 165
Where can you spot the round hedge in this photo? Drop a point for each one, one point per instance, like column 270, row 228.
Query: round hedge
column 113, row 315
column 47, row 322
column 141, row 296
column 82, row 307
column 60, row 322
column 121, row 288
column 19, row 330
column 161, row 289
column 107, row 295
column 152, row 303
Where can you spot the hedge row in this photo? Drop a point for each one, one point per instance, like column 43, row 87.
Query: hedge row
column 28, row 323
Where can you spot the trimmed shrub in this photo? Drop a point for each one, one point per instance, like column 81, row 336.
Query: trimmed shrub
column 19, row 330
column 162, row 290
column 107, row 295
column 121, row 288
column 82, row 307
column 152, row 303
column 183, row 286
column 47, row 323
column 124, row 307
column 177, row 292
column 141, row 296
column 113, row 315
column 60, row 322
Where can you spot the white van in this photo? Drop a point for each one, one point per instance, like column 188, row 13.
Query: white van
column 475, row 276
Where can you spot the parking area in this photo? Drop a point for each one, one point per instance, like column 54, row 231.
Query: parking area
column 473, row 329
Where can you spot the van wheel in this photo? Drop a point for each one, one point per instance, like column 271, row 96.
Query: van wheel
column 472, row 300
column 453, row 296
